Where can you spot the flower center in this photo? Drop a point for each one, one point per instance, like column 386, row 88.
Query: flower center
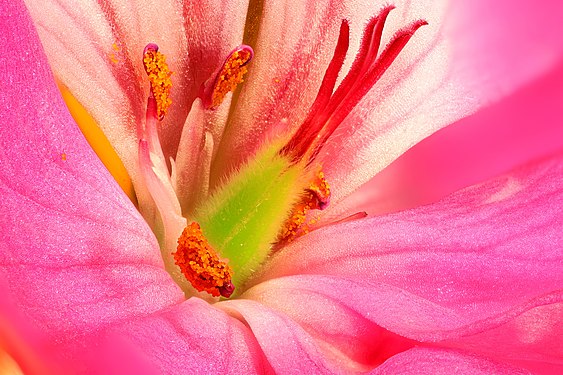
column 276, row 196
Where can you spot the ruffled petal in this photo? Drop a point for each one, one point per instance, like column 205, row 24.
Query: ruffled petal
column 443, row 362
column 195, row 338
column 460, row 267
column 288, row 348
column 76, row 255
column 95, row 49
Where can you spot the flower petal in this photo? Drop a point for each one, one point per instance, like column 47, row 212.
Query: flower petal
column 76, row 255
column 531, row 340
column 347, row 338
column 443, row 362
column 460, row 267
column 521, row 127
column 288, row 348
column 196, row 338
column 23, row 345
column 496, row 50
column 100, row 61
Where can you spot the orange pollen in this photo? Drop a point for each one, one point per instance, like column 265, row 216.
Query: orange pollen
column 320, row 188
column 315, row 197
column 159, row 77
column 230, row 77
column 201, row 265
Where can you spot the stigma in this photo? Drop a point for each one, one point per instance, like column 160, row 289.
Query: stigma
column 159, row 78
column 201, row 265
column 331, row 105
column 227, row 77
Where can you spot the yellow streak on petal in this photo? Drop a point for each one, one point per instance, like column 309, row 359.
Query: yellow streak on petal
column 99, row 143
column 8, row 365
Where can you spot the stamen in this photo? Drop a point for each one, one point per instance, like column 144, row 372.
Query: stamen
column 316, row 197
column 201, row 265
column 228, row 77
column 159, row 77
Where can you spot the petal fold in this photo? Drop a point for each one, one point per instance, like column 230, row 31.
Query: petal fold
column 442, row 362
column 196, row 338
column 288, row 348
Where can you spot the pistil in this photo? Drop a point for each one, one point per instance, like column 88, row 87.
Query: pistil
column 329, row 110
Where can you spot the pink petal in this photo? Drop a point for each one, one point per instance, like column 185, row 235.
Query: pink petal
column 76, row 255
column 521, row 127
column 347, row 338
column 501, row 45
column 194, row 338
column 100, row 61
column 26, row 346
column 443, row 362
column 531, row 340
column 460, row 267
column 288, row 348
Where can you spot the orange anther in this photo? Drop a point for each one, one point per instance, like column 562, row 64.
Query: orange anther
column 159, row 77
column 315, row 197
column 231, row 75
column 201, row 265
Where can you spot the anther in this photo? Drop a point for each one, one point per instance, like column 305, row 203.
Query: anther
column 227, row 77
column 159, row 78
column 201, row 265
column 315, row 197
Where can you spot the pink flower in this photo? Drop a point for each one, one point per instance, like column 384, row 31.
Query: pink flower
column 471, row 282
